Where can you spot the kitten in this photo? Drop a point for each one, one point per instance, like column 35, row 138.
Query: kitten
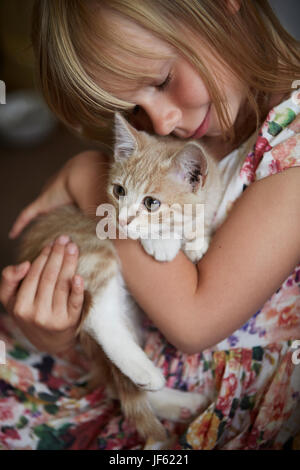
column 153, row 173
column 160, row 177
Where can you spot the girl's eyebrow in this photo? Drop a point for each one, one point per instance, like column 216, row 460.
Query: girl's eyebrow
column 138, row 79
column 142, row 81
column 149, row 79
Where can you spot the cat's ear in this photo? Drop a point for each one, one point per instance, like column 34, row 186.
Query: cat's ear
column 191, row 166
column 125, row 138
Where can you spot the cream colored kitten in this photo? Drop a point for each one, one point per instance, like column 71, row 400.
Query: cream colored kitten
column 174, row 175
column 153, row 174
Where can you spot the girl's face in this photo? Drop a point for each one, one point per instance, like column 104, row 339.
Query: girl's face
column 176, row 102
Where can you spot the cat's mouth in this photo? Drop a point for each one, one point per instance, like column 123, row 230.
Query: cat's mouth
column 136, row 231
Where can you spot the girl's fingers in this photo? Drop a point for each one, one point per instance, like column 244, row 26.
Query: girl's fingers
column 28, row 289
column 11, row 276
column 64, row 281
column 50, row 273
column 75, row 302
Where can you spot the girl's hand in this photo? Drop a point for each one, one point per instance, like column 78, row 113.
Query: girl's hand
column 47, row 303
column 81, row 181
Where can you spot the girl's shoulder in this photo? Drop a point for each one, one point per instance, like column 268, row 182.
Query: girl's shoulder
column 277, row 145
column 274, row 148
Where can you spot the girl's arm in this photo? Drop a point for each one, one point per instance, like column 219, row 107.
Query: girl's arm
column 47, row 305
column 81, row 181
column 252, row 253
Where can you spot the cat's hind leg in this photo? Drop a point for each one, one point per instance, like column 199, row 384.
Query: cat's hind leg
column 110, row 322
column 174, row 405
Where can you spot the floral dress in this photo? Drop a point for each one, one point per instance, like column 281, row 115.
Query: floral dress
column 254, row 374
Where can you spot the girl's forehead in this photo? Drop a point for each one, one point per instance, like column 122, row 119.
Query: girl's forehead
column 132, row 56
column 134, row 39
column 135, row 35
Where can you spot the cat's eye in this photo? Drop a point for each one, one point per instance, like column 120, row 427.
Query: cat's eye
column 151, row 204
column 118, row 191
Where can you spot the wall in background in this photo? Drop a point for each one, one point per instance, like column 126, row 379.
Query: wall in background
column 16, row 57
column 288, row 11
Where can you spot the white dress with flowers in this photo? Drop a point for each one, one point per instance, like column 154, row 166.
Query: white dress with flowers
column 253, row 373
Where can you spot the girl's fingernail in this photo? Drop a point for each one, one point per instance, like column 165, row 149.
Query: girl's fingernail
column 72, row 248
column 77, row 281
column 63, row 239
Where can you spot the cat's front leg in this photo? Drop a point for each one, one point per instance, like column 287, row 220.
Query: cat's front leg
column 162, row 250
column 197, row 248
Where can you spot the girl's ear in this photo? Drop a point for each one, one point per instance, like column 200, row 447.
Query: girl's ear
column 125, row 138
column 191, row 166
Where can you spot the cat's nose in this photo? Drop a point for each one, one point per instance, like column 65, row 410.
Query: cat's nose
column 125, row 221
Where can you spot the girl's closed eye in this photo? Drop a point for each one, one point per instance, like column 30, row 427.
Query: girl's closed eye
column 165, row 83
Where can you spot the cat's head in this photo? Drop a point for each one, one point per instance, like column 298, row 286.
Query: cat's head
column 152, row 178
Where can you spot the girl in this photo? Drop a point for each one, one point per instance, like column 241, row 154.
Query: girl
column 221, row 72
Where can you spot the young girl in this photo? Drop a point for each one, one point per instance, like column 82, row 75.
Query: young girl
column 222, row 72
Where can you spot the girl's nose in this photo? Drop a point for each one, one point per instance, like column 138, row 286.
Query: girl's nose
column 165, row 117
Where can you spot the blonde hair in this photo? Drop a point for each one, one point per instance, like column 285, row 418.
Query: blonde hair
column 71, row 43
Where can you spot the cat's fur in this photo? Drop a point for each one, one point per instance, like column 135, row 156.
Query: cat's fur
column 170, row 171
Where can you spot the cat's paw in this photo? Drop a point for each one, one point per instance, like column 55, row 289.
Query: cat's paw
column 195, row 255
column 193, row 252
column 162, row 250
column 176, row 405
column 150, row 379
column 197, row 404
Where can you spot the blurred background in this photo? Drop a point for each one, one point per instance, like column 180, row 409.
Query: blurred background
column 33, row 145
